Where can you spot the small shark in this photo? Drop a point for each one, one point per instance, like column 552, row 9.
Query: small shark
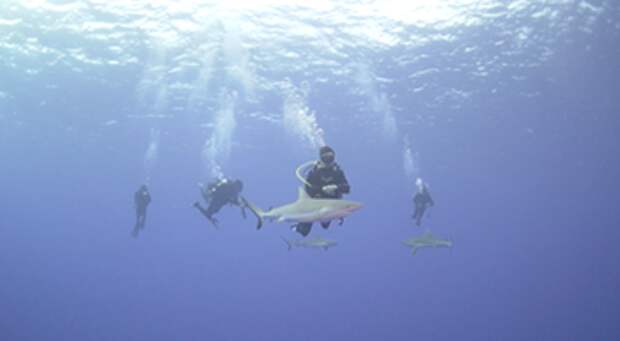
column 306, row 210
column 426, row 240
column 315, row 243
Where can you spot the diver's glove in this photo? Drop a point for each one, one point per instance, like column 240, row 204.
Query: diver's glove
column 330, row 189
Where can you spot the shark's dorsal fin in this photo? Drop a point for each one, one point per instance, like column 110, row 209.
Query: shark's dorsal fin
column 302, row 194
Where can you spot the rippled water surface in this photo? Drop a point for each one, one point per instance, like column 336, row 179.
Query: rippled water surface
column 507, row 109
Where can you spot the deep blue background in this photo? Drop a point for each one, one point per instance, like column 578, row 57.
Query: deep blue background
column 525, row 186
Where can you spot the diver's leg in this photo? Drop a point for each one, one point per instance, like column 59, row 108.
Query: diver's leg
column 202, row 210
column 136, row 227
column 303, row 228
column 206, row 212
column 213, row 208
column 418, row 221
column 142, row 219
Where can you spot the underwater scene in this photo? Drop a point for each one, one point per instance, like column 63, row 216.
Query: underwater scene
column 309, row 170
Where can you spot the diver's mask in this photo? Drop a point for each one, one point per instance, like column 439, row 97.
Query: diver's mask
column 328, row 158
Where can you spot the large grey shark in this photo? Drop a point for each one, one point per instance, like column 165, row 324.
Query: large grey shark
column 426, row 240
column 306, row 210
column 314, row 243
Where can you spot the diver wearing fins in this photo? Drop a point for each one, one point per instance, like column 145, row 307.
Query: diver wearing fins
column 141, row 200
column 325, row 180
column 219, row 193
column 421, row 200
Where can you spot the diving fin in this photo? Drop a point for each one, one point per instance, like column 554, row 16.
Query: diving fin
column 290, row 246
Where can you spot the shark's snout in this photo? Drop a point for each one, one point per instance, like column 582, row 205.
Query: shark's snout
column 354, row 206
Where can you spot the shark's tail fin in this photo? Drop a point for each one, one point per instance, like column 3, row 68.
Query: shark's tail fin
column 257, row 212
column 290, row 246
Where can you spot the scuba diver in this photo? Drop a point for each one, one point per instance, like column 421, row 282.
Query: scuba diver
column 219, row 193
column 422, row 199
column 141, row 200
column 324, row 180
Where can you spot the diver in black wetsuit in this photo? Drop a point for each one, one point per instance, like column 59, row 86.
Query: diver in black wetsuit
column 324, row 180
column 219, row 193
column 422, row 199
column 141, row 200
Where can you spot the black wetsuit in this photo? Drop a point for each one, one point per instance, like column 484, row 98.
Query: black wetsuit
column 421, row 200
column 219, row 194
column 319, row 176
column 141, row 199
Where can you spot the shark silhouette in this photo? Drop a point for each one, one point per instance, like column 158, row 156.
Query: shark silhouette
column 314, row 243
column 306, row 210
column 426, row 240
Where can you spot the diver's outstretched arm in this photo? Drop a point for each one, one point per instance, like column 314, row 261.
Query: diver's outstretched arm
column 255, row 210
column 241, row 202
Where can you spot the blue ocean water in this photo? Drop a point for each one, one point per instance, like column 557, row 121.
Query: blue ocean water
column 507, row 109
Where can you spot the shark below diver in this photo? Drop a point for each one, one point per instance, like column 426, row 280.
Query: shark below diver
column 426, row 240
column 306, row 210
column 314, row 243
